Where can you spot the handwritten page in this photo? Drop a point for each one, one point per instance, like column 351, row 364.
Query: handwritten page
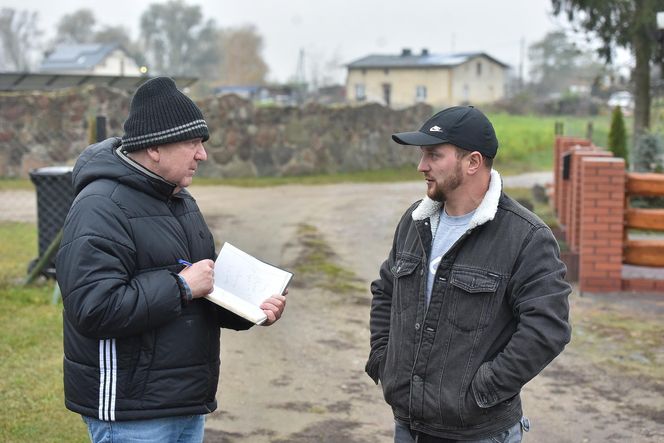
column 242, row 282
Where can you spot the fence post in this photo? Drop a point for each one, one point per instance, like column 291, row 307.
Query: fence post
column 101, row 128
column 602, row 218
column 558, row 128
column 589, row 131
column 574, row 198
column 561, row 184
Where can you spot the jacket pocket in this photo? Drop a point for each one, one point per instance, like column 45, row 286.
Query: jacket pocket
column 406, row 281
column 473, row 291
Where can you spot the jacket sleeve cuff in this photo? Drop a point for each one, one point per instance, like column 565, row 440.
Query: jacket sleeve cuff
column 485, row 392
column 185, row 291
column 372, row 368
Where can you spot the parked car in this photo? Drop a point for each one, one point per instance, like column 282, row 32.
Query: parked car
column 624, row 99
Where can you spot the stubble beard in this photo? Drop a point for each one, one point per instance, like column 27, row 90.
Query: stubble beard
column 440, row 192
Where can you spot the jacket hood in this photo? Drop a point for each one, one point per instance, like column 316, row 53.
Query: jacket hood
column 106, row 160
column 485, row 212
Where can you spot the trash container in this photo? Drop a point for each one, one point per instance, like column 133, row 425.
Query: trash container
column 55, row 194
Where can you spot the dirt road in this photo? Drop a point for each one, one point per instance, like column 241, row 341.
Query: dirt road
column 302, row 379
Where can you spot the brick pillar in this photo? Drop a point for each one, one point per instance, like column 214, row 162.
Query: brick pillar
column 562, row 145
column 602, row 219
column 573, row 204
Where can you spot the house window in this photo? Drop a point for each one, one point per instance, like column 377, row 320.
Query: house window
column 360, row 93
column 386, row 71
column 420, row 93
column 478, row 68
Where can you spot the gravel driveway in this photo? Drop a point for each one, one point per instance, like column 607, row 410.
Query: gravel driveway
column 302, row 380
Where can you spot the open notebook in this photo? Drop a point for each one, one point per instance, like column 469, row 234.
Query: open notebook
column 242, row 282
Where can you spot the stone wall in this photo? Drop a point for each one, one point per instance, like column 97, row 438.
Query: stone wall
column 51, row 128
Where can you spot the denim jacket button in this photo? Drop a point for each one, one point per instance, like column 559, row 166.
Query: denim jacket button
column 417, row 326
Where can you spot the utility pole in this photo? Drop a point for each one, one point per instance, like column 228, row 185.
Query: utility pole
column 300, row 77
column 521, row 61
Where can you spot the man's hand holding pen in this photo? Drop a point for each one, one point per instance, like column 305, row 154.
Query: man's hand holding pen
column 199, row 276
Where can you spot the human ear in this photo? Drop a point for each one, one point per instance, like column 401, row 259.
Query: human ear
column 474, row 162
column 153, row 153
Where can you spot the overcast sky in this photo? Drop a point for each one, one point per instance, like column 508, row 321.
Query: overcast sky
column 344, row 30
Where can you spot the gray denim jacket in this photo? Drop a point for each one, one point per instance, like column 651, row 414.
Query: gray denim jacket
column 498, row 315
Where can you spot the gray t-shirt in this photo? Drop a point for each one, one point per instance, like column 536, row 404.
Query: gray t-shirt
column 450, row 229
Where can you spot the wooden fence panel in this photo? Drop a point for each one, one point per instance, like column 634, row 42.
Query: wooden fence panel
column 644, row 253
column 651, row 219
column 645, row 184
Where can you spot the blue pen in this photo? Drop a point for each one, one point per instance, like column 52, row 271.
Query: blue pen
column 184, row 262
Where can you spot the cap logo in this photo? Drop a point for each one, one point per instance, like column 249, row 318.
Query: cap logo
column 435, row 129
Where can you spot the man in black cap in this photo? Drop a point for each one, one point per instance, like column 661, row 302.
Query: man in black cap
column 471, row 302
column 141, row 344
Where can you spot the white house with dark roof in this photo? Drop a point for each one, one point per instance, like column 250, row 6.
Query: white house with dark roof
column 438, row 79
column 90, row 58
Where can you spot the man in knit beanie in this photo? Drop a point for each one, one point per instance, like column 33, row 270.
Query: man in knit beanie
column 141, row 343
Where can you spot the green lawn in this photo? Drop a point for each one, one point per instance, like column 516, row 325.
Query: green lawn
column 526, row 141
column 30, row 350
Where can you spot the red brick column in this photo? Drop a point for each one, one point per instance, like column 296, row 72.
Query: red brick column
column 561, row 145
column 573, row 202
column 602, row 218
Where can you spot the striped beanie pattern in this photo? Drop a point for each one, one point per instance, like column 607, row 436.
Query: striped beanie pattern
column 159, row 114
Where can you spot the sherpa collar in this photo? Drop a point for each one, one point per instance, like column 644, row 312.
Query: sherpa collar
column 485, row 212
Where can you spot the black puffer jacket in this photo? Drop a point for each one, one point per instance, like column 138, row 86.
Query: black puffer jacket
column 132, row 350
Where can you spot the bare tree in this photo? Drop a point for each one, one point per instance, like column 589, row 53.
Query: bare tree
column 242, row 60
column 76, row 27
column 556, row 63
column 19, row 35
column 177, row 41
column 113, row 34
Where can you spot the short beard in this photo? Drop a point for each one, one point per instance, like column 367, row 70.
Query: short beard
column 450, row 183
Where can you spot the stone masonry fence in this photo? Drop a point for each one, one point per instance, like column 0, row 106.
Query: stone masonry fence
column 52, row 128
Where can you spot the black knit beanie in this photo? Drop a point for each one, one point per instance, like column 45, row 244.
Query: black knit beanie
column 158, row 114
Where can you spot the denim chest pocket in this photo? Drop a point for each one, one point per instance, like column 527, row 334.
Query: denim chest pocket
column 474, row 296
column 406, row 281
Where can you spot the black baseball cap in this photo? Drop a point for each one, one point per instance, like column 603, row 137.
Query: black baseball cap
column 462, row 126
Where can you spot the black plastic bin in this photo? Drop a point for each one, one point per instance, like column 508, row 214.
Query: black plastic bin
column 55, row 194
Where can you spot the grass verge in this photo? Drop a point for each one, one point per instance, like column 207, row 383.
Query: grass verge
column 317, row 265
column 624, row 340
column 30, row 350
